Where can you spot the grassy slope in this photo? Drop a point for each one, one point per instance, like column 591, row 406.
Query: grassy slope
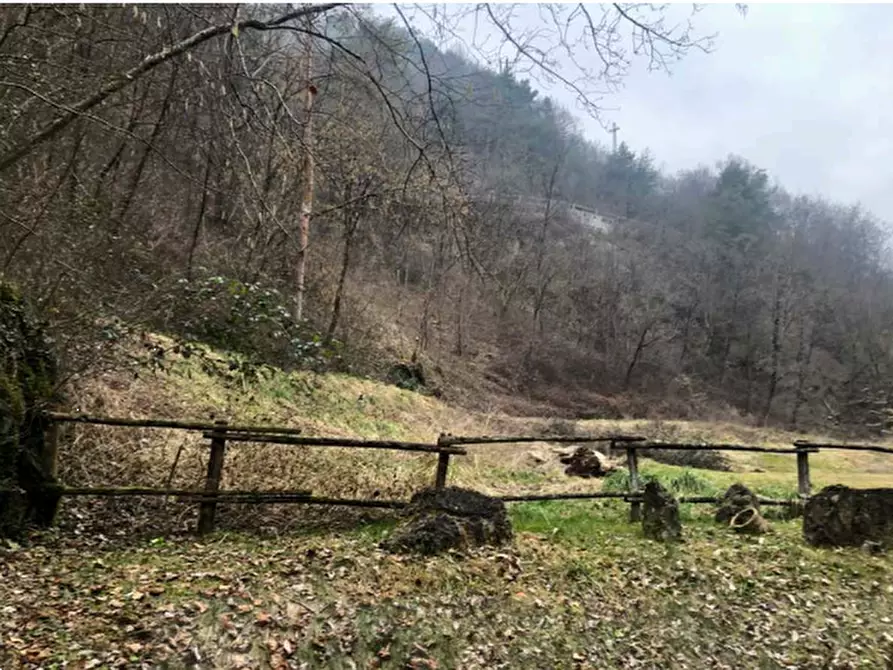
column 579, row 587
column 343, row 405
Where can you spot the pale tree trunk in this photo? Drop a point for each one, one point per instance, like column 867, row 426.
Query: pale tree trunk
column 307, row 175
column 542, row 286
column 461, row 308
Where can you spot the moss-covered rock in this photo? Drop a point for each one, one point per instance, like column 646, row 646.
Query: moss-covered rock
column 28, row 377
column 660, row 519
column 438, row 520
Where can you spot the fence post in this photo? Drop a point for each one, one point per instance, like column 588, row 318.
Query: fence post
column 443, row 464
column 803, row 484
column 208, row 508
column 611, row 447
column 632, row 462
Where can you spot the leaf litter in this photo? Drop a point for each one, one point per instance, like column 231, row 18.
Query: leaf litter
column 609, row 600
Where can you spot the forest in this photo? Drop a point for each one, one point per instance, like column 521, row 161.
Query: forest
column 321, row 187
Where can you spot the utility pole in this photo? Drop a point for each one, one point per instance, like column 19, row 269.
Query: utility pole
column 613, row 132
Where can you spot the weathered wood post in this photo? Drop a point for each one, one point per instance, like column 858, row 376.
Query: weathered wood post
column 611, row 447
column 443, row 464
column 208, row 508
column 51, row 449
column 804, row 486
column 632, row 462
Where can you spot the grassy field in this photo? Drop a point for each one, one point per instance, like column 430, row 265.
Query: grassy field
column 579, row 587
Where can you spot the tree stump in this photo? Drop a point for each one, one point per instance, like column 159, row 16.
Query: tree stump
column 735, row 500
column 838, row 516
column 586, row 462
column 438, row 520
column 660, row 519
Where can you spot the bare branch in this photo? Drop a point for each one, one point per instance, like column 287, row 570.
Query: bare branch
column 150, row 62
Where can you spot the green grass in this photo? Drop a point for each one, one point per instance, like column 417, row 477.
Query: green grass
column 573, row 520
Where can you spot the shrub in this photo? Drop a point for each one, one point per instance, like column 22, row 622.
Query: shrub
column 247, row 318
column 561, row 428
column 685, row 483
column 703, row 459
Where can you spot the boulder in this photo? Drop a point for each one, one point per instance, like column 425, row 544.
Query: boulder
column 587, row 462
column 735, row 500
column 838, row 516
column 660, row 517
column 437, row 520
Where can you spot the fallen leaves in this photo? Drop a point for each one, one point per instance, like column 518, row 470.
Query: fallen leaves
column 720, row 601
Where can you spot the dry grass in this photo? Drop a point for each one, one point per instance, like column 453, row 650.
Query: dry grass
column 341, row 405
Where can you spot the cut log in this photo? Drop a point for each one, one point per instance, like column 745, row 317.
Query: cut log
column 749, row 521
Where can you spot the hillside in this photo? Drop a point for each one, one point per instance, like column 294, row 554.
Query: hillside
column 174, row 204
column 121, row 584
column 314, row 216
column 205, row 385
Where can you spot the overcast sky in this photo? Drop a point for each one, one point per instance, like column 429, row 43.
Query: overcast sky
column 803, row 91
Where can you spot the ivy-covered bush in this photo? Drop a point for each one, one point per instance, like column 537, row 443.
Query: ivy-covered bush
column 28, row 376
column 248, row 318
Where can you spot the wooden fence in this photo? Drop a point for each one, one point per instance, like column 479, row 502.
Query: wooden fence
column 220, row 434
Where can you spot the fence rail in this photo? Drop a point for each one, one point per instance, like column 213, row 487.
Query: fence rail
column 220, row 433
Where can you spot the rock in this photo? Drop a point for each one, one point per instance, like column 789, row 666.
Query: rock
column 838, row 516
column 660, row 517
column 587, row 462
column 735, row 500
column 872, row 548
column 749, row 521
column 438, row 520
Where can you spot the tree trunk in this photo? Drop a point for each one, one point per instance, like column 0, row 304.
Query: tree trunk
column 153, row 136
column 804, row 356
column 776, row 348
column 196, row 231
column 350, row 228
column 640, row 347
column 307, row 176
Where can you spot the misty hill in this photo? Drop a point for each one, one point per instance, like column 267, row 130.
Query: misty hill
column 446, row 227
